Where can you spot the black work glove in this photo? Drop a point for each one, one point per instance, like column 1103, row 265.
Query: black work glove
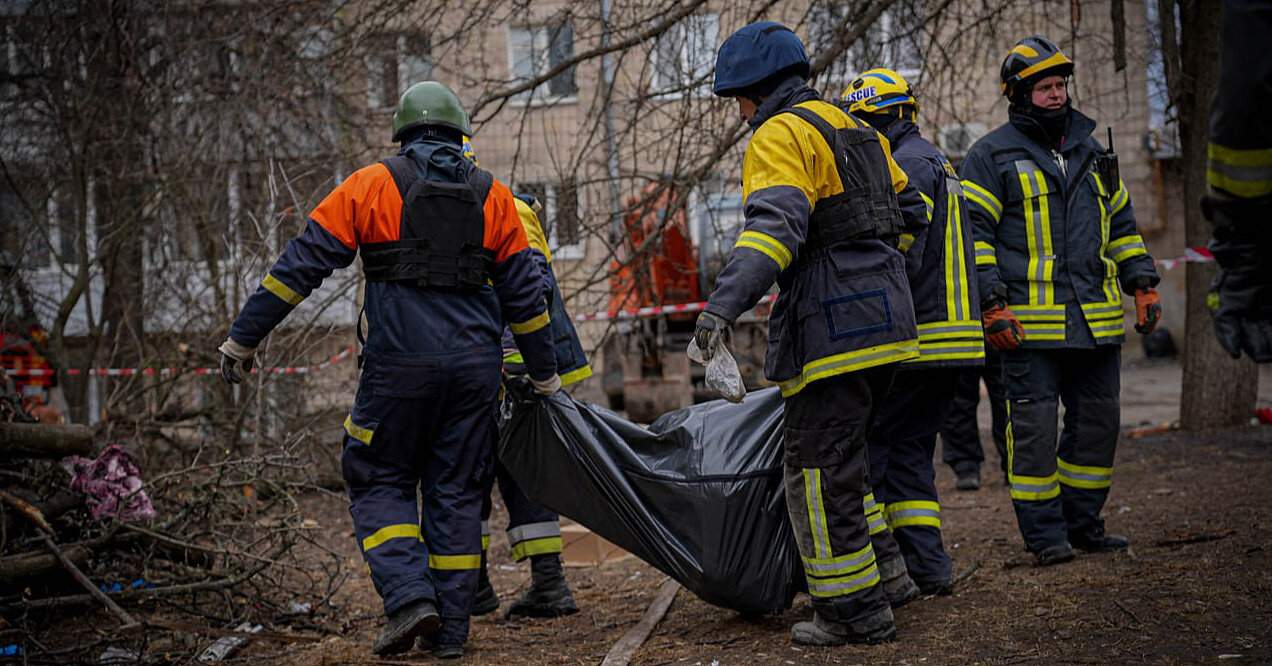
column 1240, row 298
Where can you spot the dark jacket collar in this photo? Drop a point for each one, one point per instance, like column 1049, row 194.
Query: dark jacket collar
column 899, row 130
column 1078, row 128
column 438, row 158
column 790, row 92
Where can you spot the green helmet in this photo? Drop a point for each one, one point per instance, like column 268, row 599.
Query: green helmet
column 429, row 103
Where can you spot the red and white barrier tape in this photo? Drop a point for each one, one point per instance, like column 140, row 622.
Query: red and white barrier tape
column 165, row 372
column 1196, row 255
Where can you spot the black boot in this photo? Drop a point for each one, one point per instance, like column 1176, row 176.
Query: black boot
column 448, row 641
column 486, row 601
column 548, row 596
column 968, row 479
column 1096, row 541
column 404, row 626
column 1058, row 553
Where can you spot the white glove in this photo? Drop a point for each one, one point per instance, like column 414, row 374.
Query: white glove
column 546, row 386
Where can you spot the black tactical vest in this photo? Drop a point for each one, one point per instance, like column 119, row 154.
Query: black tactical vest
column 867, row 208
column 441, row 243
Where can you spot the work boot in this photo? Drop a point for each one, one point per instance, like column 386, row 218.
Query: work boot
column 1099, row 542
column 897, row 584
column 1058, row 553
column 404, row 626
column 875, row 629
column 968, row 479
column 936, row 588
column 549, row 595
column 486, row 601
column 448, row 641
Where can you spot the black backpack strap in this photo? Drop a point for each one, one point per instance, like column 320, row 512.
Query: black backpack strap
column 809, row 116
column 481, row 181
column 404, row 173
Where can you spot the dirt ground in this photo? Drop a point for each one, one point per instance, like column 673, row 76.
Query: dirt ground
column 1195, row 587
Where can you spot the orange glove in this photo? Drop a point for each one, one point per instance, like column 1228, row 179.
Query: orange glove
column 1002, row 329
column 1148, row 310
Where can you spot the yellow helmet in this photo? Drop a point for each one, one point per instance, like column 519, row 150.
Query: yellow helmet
column 1029, row 60
column 878, row 89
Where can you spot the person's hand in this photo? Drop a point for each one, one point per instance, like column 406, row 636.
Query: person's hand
column 1002, row 329
column 236, row 360
column 1148, row 310
column 709, row 332
column 546, row 386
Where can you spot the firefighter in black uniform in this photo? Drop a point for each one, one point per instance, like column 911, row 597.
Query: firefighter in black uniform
column 941, row 271
column 960, row 433
column 1051, row 211
column 1240, row 176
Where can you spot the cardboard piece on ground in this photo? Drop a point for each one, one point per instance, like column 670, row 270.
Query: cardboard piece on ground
column 583, row 548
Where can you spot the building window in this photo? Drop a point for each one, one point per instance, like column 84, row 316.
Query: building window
column 895, row 41
column 718, row 218
column 533, row 51
column 684, row 56
column 560, row 216
column 395, row 62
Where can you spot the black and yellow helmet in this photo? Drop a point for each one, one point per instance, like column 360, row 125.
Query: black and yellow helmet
column 1031, row 59
column 879, row 89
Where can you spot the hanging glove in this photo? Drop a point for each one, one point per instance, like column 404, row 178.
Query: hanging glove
column 709, row 332
column 236, row 360
column 546, row 386
column 1148, row 310
column 1002, row 329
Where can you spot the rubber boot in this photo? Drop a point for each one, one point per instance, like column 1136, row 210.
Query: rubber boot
column 548, row 596
column 897, row 584
column 1058, row 553
column 404, row 626
column 486, row 601
column 872, row 630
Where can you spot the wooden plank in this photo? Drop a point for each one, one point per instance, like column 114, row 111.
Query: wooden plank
column 623, row 651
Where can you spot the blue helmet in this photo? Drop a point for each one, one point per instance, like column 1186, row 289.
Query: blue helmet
column 756, row 52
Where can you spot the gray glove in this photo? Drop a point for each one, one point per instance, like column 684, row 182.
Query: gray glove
column 709, row 333
column 236, row 360
column 546, row 386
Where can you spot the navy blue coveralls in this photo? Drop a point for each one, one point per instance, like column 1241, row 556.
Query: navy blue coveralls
column 940, row 268
column 1062, row 238
column 423, row 421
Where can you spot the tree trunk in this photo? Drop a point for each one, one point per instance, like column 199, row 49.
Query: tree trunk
column 1218, row 390
column 44, row 440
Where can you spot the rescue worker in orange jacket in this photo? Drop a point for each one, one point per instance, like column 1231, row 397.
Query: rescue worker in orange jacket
column 447, row 266
column 825, row 205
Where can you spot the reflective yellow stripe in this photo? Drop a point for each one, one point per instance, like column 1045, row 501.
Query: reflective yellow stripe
column 957, row 292
column 860, row 359
column 514, row 357
column 1084, row 476
column 914, row 513
column 277, row 288
column 841, row 565
column 1127, row 247
column 844, row 585
column 356, row 431
column 400, row 531
column 816, row 513
column 983, row 198
column 1038, row 232
column 986, row 255
column 521, row 328
column 575, row 376
column 485, row 542
column 532, row 547
column 1034, row 488
column 930, row 207
column 905, row 242
column 768, row 245
column 1119, row 201
column 454, row 562
column 1245, row 173
column 1110, row 266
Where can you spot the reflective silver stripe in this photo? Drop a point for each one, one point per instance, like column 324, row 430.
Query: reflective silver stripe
column 1256, row 174
column 485, row 528
column 1034, row 487
column 534, row 531
column 1085, row 477
column 970, row 348
column 858, row 581
column 914, row 513
column 821, row 540
column 847, row 566
column 974, row 329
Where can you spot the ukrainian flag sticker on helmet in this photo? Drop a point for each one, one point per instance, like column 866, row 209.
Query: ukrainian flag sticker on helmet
column 468, row 149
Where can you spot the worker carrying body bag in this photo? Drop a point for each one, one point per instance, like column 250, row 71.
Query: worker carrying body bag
column 698, row 494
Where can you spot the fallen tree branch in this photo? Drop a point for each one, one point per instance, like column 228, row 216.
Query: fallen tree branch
column 626, row 647
column 44, row 440
column 1201, row 537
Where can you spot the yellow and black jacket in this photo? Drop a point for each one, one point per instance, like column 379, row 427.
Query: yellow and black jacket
column 844, row 305
column 1059, row 238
